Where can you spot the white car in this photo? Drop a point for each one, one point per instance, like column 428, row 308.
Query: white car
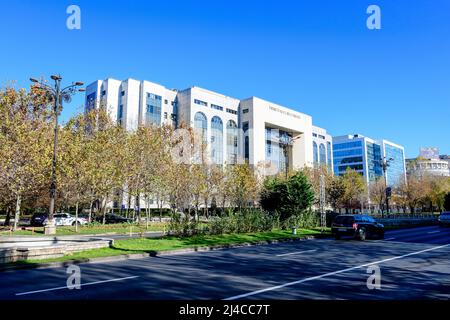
column 444, row 219
column 65, row 219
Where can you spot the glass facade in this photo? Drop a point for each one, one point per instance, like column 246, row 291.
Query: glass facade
column 348, row 155
column 232, row 142
column 347, row 145
column 315, row 154
column 277, row 141
column 120, row 114
column 374, row 169
column 90, row 101
column 322, row 154
column 201, row 124
column 368, row 160
column 396, row 169
column 329, row 155
column 153, row 109
column 174, row 114
column 217, row 140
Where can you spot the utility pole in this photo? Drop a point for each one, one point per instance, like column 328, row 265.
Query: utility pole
column 323, row 217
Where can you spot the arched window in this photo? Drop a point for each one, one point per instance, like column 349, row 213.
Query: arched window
column 315, row 153
column 201, row 124
column 322, row 153
column 329, row 154
column 217, row 140
column 232, row 142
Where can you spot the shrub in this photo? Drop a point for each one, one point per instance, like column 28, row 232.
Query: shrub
column 290, row 198
column 183, row 226
column 245, row 221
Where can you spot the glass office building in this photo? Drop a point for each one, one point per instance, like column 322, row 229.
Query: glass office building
column 348, row 154
column 396, row 170
column 366, row 155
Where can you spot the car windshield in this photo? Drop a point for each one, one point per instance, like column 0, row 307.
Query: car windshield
column 344, row 219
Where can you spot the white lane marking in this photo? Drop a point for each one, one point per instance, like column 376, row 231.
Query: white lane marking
column 437, row 231
column 297, row 252
column 332, row 273
column 389, row 239
column 82, row 284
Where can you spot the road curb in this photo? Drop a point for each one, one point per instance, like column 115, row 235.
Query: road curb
column 153, row 254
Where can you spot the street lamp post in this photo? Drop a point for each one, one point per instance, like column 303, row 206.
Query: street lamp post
column 285, row 144
column 384, row 165
column 57, row 95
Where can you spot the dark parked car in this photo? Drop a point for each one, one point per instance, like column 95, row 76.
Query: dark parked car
column 37, row 220
column 444, row 219
column 114, row 218
column 357, row 226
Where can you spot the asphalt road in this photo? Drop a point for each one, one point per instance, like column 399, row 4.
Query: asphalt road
column 414, row 264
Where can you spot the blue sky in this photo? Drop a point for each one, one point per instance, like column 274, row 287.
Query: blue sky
column 314, row 56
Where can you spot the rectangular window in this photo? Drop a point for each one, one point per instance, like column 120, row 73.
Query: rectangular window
column 245, row 126
column 122, row 93
column 215, row 106
column 200, row 102
column 245, row 111
column 231, row 111
column 153, row 114
column 347, row 145
column 165, row 101
column 120, row 113
column 103, row 92
column 165, row 115
column 269, row 148
column 345, row 153
column 90, row 101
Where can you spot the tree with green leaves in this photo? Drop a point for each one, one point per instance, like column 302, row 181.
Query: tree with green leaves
column 25, row 153
column 377, row 192
column 291, row 197
column 74, row 164
column 244, row 185
column 355, row 186
column 336, row 192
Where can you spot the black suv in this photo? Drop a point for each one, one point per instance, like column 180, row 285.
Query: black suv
column 37, row 220
column 358, row 226
column 111, row 218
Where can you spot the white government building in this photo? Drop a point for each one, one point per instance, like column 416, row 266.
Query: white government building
column 253, row 129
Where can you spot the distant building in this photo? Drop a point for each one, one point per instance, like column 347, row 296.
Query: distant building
column 322, row 148
column 429, row 162
column 249, row 130
column 365, row 155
